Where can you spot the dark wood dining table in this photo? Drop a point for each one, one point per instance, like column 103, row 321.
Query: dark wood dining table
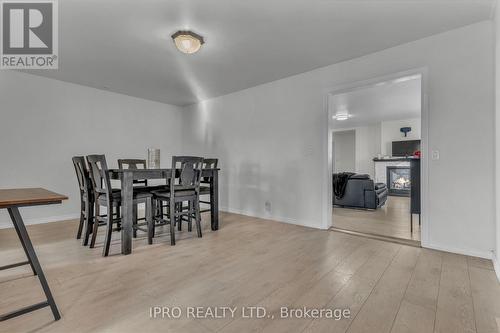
column 12, row 200
column 127, row 177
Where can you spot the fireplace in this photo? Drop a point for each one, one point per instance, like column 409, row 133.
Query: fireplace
column 398, row 180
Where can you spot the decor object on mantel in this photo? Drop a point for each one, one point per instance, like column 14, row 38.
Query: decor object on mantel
column 153, row 158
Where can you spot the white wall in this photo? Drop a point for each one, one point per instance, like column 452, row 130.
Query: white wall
column 271, row 139
column 44, row 122
column 344, row 143
column 367, row 147
column 497, row 139
column 390, row 131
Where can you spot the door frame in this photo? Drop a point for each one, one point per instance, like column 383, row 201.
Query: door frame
column 328, row 169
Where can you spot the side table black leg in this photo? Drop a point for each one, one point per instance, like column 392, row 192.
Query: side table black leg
column 30, row 251
column 22, row 243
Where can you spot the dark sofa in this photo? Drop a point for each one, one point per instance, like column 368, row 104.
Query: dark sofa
column 362, row 192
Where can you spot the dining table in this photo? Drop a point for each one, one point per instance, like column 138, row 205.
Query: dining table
column 12, row 200
column 127, row 177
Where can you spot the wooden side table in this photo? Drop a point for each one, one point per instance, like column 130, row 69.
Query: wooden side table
column 12, row 199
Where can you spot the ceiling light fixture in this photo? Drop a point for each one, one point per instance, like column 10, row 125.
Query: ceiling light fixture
column 342, row 115
column 187, row 41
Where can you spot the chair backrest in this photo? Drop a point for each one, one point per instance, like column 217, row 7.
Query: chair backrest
column 209, row 163
column 82, row 173
column 130, row 163
column 98, row 169
column 189, row 172
column 135, row 164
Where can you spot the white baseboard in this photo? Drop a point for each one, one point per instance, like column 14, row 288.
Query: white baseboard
column 496, row 265
column 270, row 217
column 8, row 224
column 463, row 251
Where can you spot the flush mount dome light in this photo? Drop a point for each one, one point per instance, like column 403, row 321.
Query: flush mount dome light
column 187, row 41
column 342, row 115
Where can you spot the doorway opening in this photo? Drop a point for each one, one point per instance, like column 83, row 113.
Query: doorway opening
column 377, row 134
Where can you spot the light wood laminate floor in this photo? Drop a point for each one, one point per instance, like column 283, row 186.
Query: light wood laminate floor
column 392, row 220
column 388, row 287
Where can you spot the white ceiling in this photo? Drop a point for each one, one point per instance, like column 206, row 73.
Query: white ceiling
column 391, row 100
column 124, row 45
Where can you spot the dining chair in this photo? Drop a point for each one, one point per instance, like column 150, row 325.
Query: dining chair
column 110, row 198
column 184, row 187
column 208, row 163
column 132, row 163
column 86, row 199
column 141, row 185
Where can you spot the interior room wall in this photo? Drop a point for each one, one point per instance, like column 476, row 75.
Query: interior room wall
column 497, row 138
column 367, row 147
column 344, row 143
column 45, row 122
column 271, row 139
column 390, row 131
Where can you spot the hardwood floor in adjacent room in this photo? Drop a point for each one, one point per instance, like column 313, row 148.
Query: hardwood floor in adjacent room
column 249, row 262
column 392, row 220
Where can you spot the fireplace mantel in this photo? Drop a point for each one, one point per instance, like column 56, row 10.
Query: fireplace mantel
column 394, row 159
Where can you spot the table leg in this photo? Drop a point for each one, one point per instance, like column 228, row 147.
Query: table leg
column 127, row 211
column 35, row 264
column 214, row 200
column 12, row 217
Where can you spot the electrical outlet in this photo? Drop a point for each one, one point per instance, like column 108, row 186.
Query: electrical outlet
column 435, row 155
column 268, row 206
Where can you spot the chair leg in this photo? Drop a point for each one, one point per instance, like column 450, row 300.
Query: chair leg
column 134, row 222
column 172, row 222
column 190, row 219
column 82, row 220
column 154, row 209
column 198, row 217
column 87, row 226
column 109, row 231
column 118, row 215
column 179, row 209
column 96, row 225
column 160, row 208
column 149, row 219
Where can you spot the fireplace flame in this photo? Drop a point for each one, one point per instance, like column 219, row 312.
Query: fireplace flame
column 402, row 181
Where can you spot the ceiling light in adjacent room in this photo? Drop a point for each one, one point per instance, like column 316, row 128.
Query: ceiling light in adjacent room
column 187, row 41
column 342, row 115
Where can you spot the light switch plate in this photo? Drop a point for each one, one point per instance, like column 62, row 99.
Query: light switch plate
column 435, row 155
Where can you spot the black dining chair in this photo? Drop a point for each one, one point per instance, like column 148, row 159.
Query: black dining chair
column 86, row 199
column 135, row 164
column 184, row 187
column 110, row 198
column 141, row 185
column 208, row 163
